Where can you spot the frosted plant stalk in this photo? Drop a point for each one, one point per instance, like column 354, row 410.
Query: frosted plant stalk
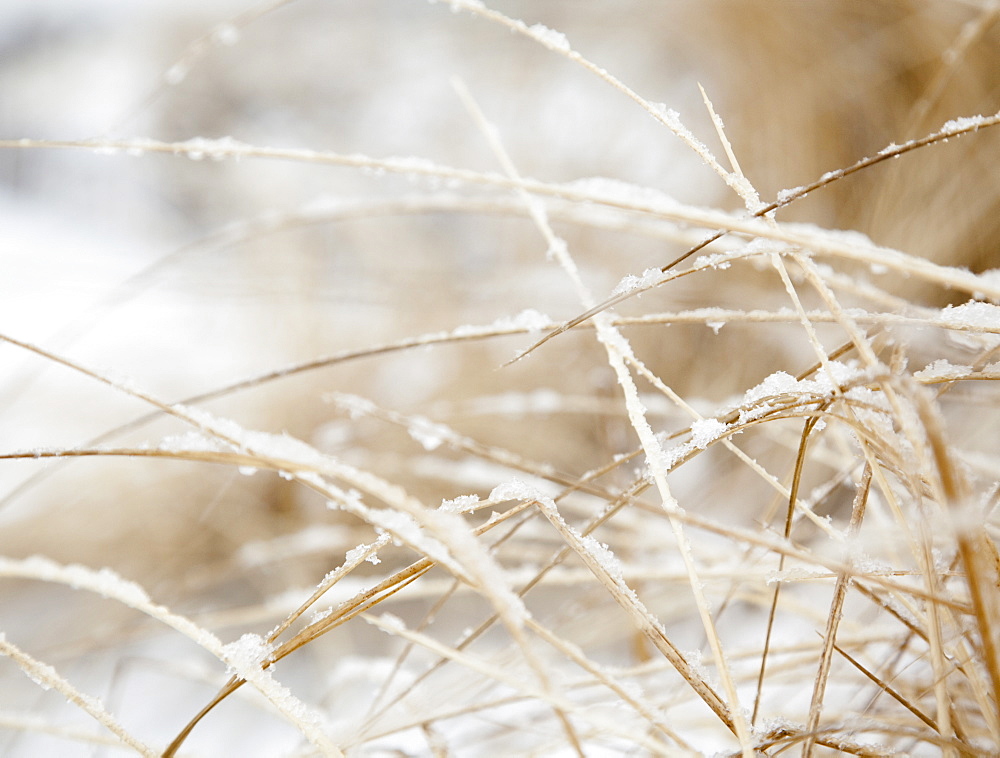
column 617, row 349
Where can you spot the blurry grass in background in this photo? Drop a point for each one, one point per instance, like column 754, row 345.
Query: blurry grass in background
column 306, row 292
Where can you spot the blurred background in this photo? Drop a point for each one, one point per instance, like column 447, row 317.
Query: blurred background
column 185, row 276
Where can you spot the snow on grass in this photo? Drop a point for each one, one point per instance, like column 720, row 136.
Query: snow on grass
column 720, row 261
column 549, row 37
column 706, row 431
column 528, row 320
column 972, row 315
column 782, row 386
column 199, row 148
column 247, row 658
column 605, row 558
column 189, row 442
column 103, row 582
column 650, row 278
column 580, row 490
column 440, row 535
column 964, row 124
column 942, row 369
column 460, row 504
column 483, row 570
column 515, row 489
column 248, row 655
column 429, row 434
column 46, row 677
column 617, row 192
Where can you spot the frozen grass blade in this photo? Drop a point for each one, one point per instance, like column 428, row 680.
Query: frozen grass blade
column 955, row 128
column 617, row 350
column 47, row 677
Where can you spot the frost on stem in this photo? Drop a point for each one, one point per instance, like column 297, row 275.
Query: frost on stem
column 189, row 442
column 964, row 124
column 460, row 504
column 549, row 37
column 247, row 658
column 783, row 386
column 787, row 195
column 970, row 318
column 355, row 406
column 429, row 434
column 487, row 574
column 616, row 192
column 47, row 678
column 720, row 261
column 198, row 148
column 528, row 320
column 364, row 552
column 606, row 559
column 517, row 489
column 971, row 315
column 631, row 283
column 248, row 655
column 941, row 369
column 706, row 431
column 104, row 582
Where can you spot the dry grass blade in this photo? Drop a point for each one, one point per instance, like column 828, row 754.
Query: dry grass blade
column 787, row 533
column 836, row 613
column 951, row 129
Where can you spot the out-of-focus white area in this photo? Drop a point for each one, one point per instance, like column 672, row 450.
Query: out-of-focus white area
column 94, row 256
column 111, row 259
